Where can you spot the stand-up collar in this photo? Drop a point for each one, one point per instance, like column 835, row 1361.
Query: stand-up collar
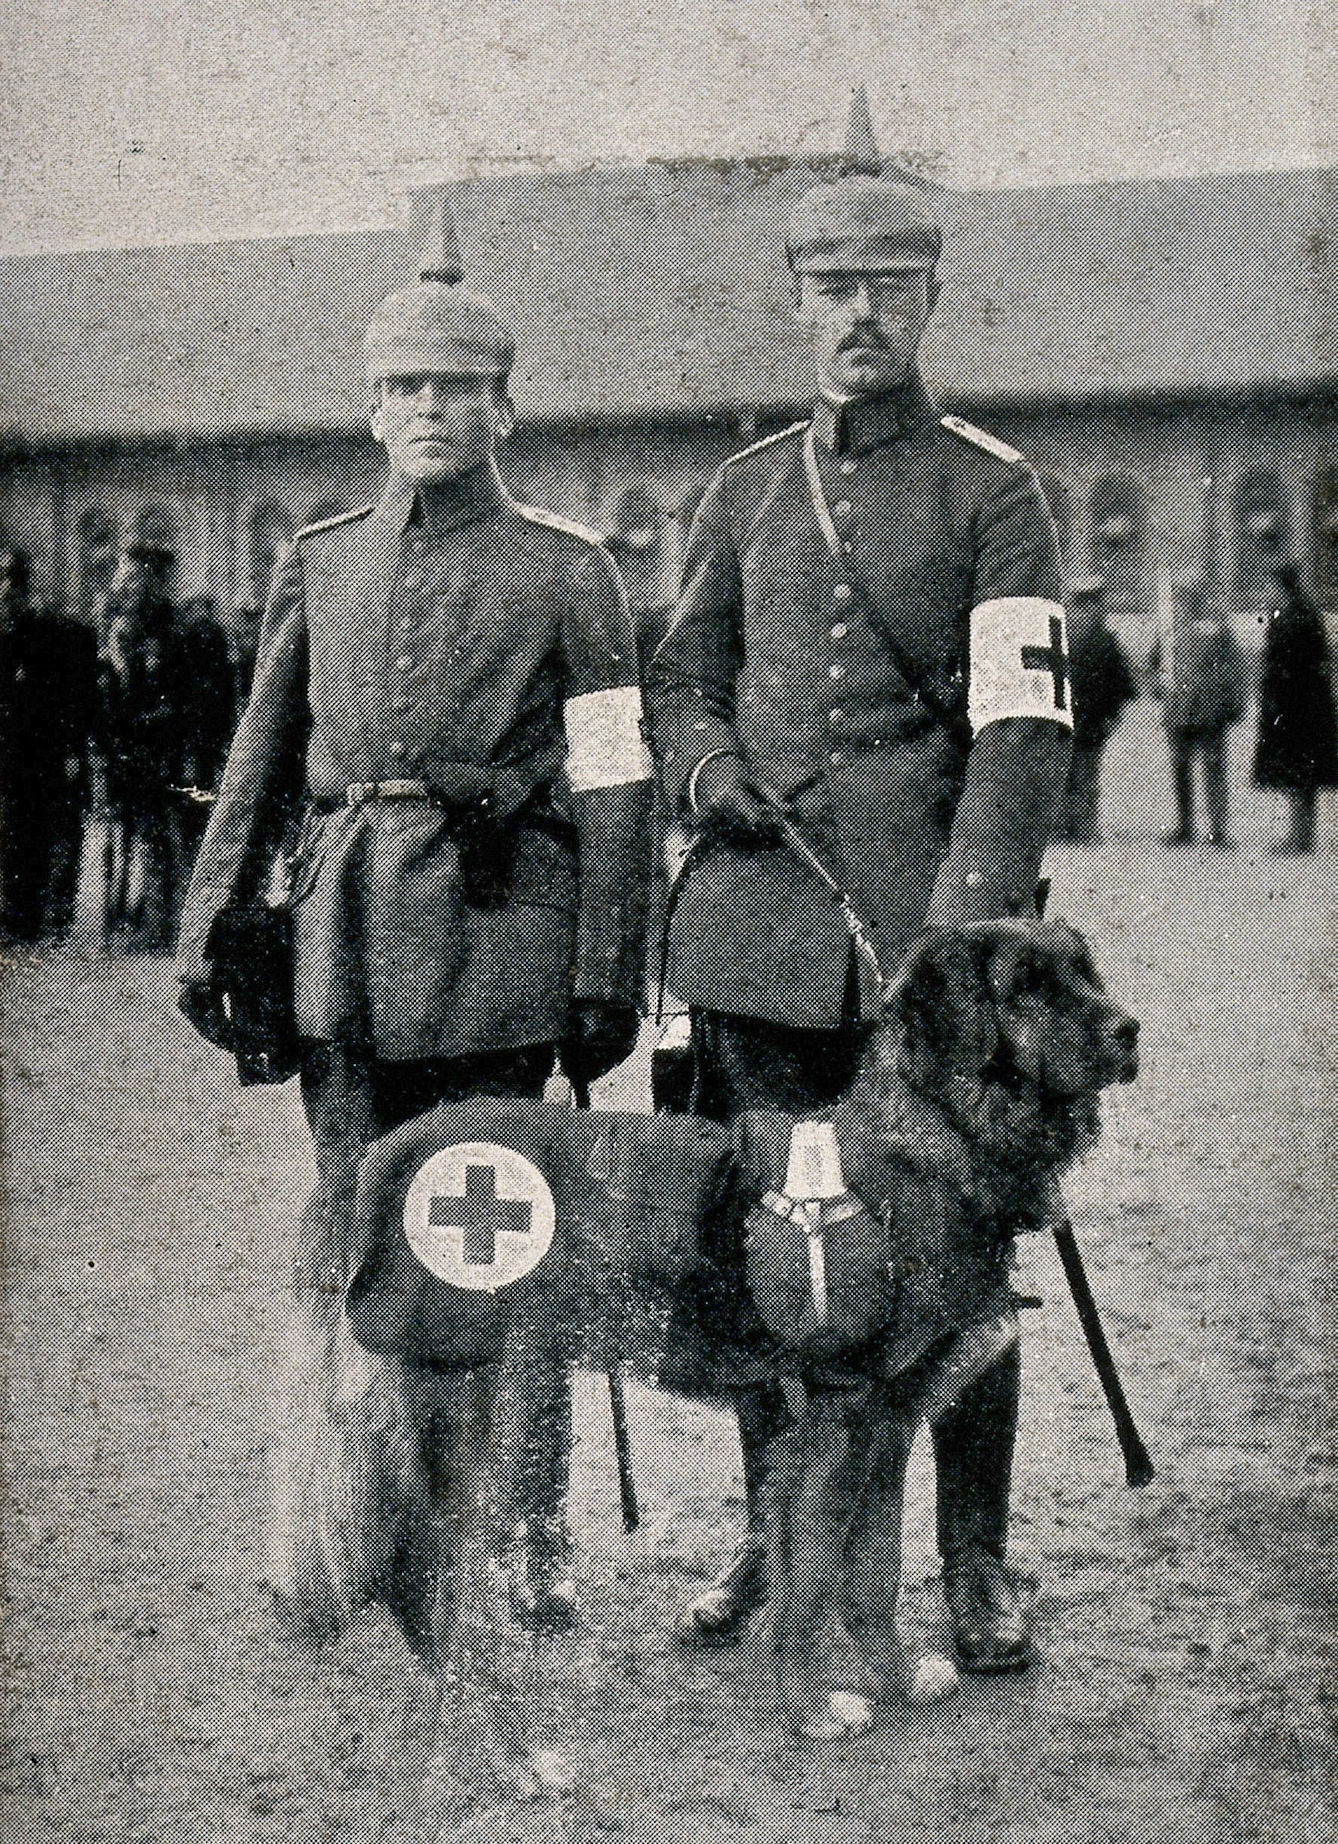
column 445, row 505
column 864, row 423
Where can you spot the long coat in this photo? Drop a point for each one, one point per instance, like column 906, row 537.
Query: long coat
column 777, row 654
column 1298, row 737
column 453, row 638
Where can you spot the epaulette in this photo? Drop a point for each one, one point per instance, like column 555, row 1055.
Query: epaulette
column 537, row 515
column 768, row 441
column 340, row 518
column 981, row 438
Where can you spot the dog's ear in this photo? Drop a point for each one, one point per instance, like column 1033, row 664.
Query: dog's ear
column 945, row 1012
column 1006, row 961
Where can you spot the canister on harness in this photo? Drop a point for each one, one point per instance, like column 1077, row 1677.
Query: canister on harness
column 816, row 1258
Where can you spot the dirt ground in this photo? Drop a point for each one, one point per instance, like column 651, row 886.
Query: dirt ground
column 1185, row 1690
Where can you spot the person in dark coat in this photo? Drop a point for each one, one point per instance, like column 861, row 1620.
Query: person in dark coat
column 1297, row 746
column 1103, row 683
column 209, row 718
column 446, row 711
column 870, row 625
column 1199, row 674
column 147, row 696
column 48, row 690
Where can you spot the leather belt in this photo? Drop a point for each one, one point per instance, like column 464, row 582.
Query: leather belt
column 363, row 792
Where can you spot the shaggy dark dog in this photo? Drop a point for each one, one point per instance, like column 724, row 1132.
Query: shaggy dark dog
column 1005, row 1033
column 402, row 1478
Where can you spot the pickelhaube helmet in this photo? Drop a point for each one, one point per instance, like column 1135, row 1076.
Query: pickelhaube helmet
column 862, row 220
column 436, row 325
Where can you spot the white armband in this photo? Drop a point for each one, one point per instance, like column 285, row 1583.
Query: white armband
column 605, row 744
column 1019, row 661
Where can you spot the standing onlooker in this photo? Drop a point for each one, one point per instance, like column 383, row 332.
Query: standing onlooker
column 1103, row 683
column 146, row 693
column 47, row 700
column 1297, row 748
column 1199, row 675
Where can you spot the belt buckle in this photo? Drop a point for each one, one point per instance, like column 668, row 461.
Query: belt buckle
column 359, row 793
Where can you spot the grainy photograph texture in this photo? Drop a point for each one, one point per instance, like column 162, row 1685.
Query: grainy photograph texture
column 667, row 978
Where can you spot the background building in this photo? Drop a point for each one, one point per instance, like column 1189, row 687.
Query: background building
column 1164, row 350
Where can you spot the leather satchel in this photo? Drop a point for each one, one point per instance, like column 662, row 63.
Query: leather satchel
column 250, row 949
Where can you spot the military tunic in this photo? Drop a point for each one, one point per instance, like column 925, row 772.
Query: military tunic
column 451, row 637
column 777, row 654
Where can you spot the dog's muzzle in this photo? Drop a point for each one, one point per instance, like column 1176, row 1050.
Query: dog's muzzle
column 1119, row 1047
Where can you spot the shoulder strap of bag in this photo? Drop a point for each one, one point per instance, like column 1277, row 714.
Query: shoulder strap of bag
column 956, row 727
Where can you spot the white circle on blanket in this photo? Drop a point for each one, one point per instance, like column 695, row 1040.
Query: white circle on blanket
column 479, row 1216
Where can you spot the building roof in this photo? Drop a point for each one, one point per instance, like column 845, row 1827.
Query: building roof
column 661, row 291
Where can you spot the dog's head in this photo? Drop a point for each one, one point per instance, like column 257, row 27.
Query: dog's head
column 1004, row 1019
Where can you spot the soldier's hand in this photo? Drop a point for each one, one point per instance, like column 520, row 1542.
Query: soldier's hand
column 202, row 1002
column 599, row 1037
column 723, row 802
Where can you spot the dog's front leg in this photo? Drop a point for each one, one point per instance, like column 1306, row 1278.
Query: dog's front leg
column 807, row 1502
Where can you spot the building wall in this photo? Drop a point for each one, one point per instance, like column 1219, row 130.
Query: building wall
column 1194, row 479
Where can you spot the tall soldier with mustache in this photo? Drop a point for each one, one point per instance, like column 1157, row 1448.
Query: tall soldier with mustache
column 870, row 626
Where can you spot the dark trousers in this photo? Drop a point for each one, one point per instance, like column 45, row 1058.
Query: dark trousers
column 41, row 831
column 352, row 1099
column 1209, row 747
column 746, row 1063
column 1082, row 806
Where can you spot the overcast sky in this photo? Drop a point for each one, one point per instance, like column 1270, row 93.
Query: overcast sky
column 126, row 123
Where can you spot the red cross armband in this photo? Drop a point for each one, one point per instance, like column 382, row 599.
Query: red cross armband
column 1019, row 661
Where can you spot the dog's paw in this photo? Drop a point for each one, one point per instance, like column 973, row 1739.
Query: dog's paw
column 844, row 1713
column 545, row 1772
column 854, row 1711
column 932, row 1678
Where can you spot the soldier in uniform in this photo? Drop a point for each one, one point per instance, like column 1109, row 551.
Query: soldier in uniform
column 1199, row 674
column 870, row 626
column 147, row 693
column 48, row 688
column 1103, row 683
column 447, row 699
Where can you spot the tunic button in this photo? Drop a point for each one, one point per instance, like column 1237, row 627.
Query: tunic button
column 399, row 703
column 847, row 466
column 837, row 672
column 842, row 508
column 836, row 759
column 845, row 546
column 839, row 630
column 398, row 750
column 842, row 592
column 836, row 714
column 404, row 663
column 413, row 579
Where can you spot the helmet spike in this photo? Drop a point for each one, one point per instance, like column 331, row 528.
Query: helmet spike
column 440, row 261
column 861, row 151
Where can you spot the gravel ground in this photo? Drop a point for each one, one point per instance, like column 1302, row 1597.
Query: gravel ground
column 1185, row 1690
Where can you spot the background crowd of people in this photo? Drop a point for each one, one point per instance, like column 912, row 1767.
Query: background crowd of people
column 132, row 721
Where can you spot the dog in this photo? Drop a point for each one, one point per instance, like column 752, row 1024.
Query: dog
column 400, row 1479
column 1005, row 1034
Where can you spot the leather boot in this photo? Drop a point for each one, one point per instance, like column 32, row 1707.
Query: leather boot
column 719, row 1614
column 989, row 1605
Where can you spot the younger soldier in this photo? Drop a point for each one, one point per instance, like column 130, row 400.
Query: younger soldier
column 446, row 699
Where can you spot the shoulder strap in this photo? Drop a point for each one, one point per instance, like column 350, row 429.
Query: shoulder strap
column 956, row 727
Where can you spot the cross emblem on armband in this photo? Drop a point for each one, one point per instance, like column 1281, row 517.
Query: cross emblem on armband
column 1051, row 659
